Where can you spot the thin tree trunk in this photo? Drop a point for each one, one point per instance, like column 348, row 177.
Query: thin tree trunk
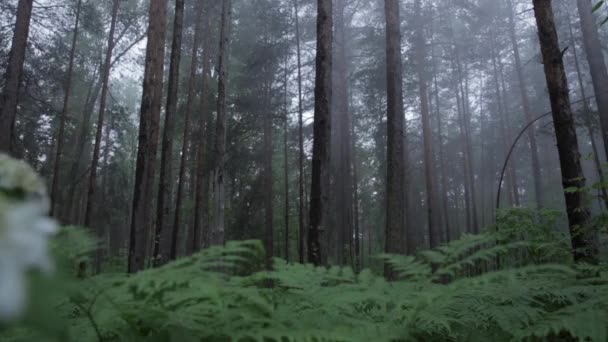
column 587, row 117
column 465, row 178
column 343, row 188
column 395, row 192
column 356, row 218
column 319, row 190
column 509, row 127
column 201, row 195
column 597, row 66
column 142, row 215
column 55, row 185
column 88, row 214
column 470, row 157
column 192, row 246
column 16, row 58
column 286, row 160
column 536, row 168
column 442, row 164
column 218, row 235
column 81, row 142
column 161, row 253
column 301, row 176
column 501, row 115
column 268, row 171
column 584, row 240
column 432, row 202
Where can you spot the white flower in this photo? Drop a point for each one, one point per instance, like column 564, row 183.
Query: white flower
column 25, row 229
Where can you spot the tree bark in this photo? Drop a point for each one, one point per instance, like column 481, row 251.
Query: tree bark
column 319, row 190
column 584, row 240
column 597, row 66
column 142, row 214
column 88, row 214
column 395, row 191
column 16, row 58
column 162, row 237
column 218, row 234
column 55, row 184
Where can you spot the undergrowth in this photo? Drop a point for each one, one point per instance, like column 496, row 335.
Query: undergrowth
column 454, row 293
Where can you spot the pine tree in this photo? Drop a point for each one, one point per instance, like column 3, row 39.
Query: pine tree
column 142, row 214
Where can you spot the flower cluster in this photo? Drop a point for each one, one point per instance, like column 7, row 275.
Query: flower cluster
column 25, row 229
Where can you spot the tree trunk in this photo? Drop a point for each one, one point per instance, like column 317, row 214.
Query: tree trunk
column 319, row 190
column 16, row 58
column 432, row 202
column 151, row 103
column 595, row 58
column 442, row 164
column 186, row 140
column 286, row 159
column 536, row 168
column 395, row 192
column 356, row 218
column 584, row 241
column 218, row 234
column 88, row 214
column 301, row 176
column 587, row 117
column 267, row 169
column 501, row 119
column 201, row 196
column 465, row 165
column 343, row 188
column 162, row 240
column 55, row 185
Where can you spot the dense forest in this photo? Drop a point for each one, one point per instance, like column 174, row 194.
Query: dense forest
column 299, row 170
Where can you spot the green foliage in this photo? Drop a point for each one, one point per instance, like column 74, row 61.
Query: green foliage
column 598, row 5
column 453, row 293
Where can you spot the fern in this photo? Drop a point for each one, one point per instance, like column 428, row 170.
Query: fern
column 454, row 293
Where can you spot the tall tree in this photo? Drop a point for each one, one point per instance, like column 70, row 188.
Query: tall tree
column 181, row 178
column 161, row 251
column 142, row 214
column 584, row 244
column 218, row 233
column 14, row 69
column 525, row 101
column 55, row 184
column 597, row 66
column 88, row 214
column 301, row 219
column 511, row 186
column 587, row 115
column 267, row 166
column 341, row 141
column 395, row 192
column 286, row 156
column 201, row 196
column 432, row 197
column 440, row 144
column 319, row 190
